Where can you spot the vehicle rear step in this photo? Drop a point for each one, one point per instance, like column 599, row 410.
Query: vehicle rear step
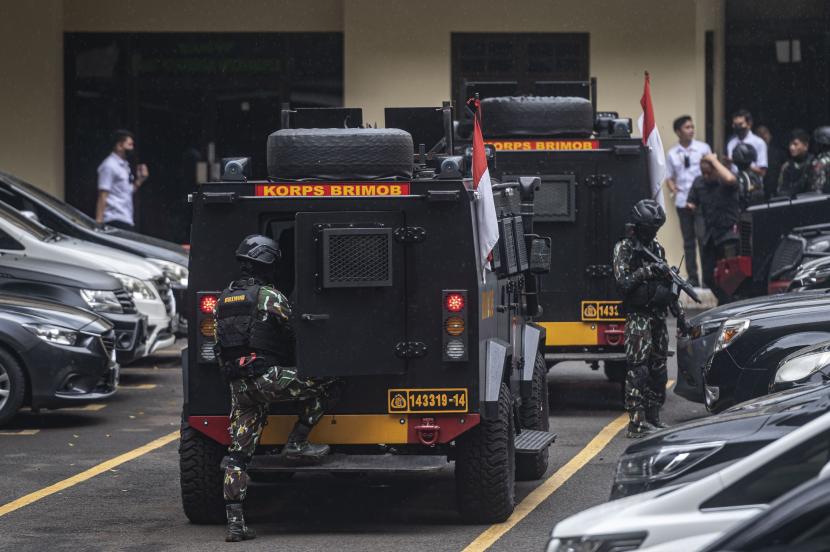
column 354, row 463
column 530, row 441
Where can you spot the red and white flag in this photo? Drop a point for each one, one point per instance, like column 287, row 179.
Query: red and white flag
column 488, row 226
column 651, row 138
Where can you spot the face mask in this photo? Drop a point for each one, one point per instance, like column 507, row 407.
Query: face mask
column 646, row 233
column 740, row 131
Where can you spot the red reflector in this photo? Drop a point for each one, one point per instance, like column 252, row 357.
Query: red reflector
column 455, row 302
column 207, row 303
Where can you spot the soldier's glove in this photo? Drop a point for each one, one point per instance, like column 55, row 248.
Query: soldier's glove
column 659, row 271
column 683, row 327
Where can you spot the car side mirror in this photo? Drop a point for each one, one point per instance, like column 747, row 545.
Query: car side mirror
column 31, row 215
column 540, row 248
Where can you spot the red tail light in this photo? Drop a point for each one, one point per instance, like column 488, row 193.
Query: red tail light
column 207, row 303
column 455, row 302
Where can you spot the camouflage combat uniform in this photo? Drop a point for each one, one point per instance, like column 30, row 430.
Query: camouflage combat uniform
column 646, row 335
column 252, row 395
column 821, row 173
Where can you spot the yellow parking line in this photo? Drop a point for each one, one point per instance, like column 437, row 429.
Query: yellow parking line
column 486, row 539
column 87, row 408
column 21, row 432
column 88, row 474
column 139, row 386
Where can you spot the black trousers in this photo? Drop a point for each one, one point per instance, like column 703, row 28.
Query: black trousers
column 709, row 256
column 691, row 227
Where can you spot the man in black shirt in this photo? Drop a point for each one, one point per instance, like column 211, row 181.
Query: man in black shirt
column 795, row 174
column 717, row 197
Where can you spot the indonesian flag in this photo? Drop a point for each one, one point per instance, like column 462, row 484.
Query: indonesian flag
column 488, row 226
column 651, row 138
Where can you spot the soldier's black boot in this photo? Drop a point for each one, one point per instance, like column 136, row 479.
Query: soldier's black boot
column 638, row 426
column 653, row 417
column 298, row 449
column 237, row 530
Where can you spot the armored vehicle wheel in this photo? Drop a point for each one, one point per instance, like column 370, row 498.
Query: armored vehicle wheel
column 615, row 370
column 12, row 387
column 534, row 413
column 201, row 478
column 340, row 153
column 485, row 467
column 536, row 116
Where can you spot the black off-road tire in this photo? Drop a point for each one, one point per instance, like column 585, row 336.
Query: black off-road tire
column 14, row 382
column 201, row 477
column 615, row 370
column 536, row 116
column 534, row 413
column 485, row 467
column 340, row 154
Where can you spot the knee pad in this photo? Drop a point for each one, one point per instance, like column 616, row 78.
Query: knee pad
column 235, row 460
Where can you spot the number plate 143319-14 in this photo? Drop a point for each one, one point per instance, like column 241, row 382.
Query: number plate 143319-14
column 406, row 401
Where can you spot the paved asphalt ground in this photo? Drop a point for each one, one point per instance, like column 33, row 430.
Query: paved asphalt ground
column 136, row 505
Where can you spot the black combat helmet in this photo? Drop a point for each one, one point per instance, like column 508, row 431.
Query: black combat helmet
column 259, row 250
column 744, row 155
column 821, row 136
column 647, row 216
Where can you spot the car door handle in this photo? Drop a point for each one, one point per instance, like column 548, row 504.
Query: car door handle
column 314, row 317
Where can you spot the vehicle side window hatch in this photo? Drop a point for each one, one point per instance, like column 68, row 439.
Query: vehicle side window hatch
column 8, row 242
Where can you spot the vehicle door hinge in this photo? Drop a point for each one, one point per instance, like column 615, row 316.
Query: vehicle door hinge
column 410, row 234
column 599, row 180
column 599, row 271
column 410, row 349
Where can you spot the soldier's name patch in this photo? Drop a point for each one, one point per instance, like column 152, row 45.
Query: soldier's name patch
column 333, row 189
column 602, row 311
column 544, row 145
column 415, row 401
column 234, row 298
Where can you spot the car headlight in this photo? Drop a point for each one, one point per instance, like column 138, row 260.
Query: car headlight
column 704, row 329
column 177, row 273
column 666, row 463
column 137, row 288
column 599, row 543
column 730, row 331
column 101, row 300
column 802, row 366
column 53, row 334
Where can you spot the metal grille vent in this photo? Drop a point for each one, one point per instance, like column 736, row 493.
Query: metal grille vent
column 521, row 247
column 508, row 246
column 746, row 237
column 126, row 300
column 555, row 200
column 163, row 286
column 787, row 256
column 108, row 341
column 357, row 257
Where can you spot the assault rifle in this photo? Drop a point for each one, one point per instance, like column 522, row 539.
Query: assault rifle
column 673, row 273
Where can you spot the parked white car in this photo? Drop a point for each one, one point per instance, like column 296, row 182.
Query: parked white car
column 146, row 282
column 706, row 507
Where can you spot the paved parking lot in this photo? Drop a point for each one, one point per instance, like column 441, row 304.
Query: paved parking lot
column 105, row 477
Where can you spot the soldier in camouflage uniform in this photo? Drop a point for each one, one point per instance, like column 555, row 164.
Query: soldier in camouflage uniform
column 820, row 178
column 646, row 288
column 256, row 347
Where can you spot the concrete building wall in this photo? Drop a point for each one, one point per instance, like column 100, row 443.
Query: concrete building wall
column 396, row 53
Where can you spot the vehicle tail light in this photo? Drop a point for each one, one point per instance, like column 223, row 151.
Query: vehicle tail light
column 207, row 303
column 454, row 310
column 208, row 327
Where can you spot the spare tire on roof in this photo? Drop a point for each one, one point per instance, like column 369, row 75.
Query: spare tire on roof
column 340, row 154
column 536, row 116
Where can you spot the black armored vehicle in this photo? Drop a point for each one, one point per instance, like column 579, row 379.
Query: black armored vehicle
column 438, row 358
column 592, row 172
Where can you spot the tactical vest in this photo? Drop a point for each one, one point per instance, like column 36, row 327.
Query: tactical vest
column 242, row 330
column 650, row 295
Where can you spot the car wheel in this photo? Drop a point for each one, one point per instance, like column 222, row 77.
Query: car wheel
column 485, row 467
column 536, row 116
column 340, row 153
column 534, row 413
column 12, row 387
column 201, row 477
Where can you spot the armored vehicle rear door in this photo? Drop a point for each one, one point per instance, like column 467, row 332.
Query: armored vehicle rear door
column 350, row 304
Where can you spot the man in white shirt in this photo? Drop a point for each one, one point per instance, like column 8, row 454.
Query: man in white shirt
column 682, row 167
column 742, row 126
column 117, row 184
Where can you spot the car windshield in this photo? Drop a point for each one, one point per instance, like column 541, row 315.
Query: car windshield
column 75, row 215
column 29, row 226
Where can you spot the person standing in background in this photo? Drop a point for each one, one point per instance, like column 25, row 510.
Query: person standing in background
column 820, row 171
column 775, row 160
column 682, row 168
column 795, row 173
column 742, row 126
column 117, row 183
